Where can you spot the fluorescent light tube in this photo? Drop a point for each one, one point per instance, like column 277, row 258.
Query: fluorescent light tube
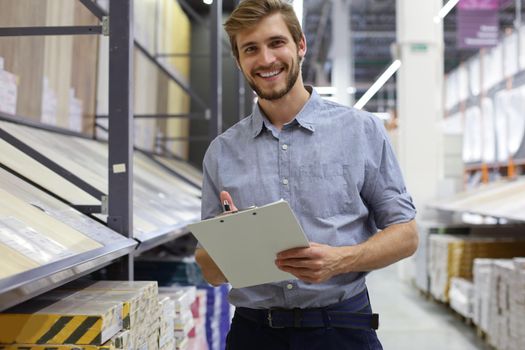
column 378, row 84
column 445, row 10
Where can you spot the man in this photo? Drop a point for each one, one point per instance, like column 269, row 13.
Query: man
column 335, row 167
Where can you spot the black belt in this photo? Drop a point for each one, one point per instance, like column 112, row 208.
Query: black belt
column 345, row 314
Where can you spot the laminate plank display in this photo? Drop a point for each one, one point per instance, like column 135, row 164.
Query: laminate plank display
column 84, row 66
column 160, row 199
column 58, row 57
column 24, row 56
column 36, row 236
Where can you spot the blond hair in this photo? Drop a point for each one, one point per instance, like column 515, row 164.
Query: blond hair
column 250, row 12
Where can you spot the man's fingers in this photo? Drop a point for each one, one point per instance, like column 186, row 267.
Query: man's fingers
column 226, row 198
column 300, row 253
column 300, row 263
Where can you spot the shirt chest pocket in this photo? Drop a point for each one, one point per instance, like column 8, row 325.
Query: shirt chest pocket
column 325, row 190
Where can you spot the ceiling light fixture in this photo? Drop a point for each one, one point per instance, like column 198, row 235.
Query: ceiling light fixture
column 445, row 10
column 207, row 2
column 378, row 84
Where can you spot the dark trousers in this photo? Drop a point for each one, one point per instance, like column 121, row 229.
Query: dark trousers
column 246, row 334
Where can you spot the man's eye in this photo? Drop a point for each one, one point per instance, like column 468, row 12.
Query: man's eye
column 249, row 49
column 277, row 43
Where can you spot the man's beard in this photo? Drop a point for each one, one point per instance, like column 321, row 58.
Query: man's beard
column 290, row 82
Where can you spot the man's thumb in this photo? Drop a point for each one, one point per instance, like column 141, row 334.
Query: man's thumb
column 227, row 199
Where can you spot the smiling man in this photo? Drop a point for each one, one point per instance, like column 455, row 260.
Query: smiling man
column 335, row 167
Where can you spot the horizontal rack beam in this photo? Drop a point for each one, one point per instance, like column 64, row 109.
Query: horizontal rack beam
column 60, row 30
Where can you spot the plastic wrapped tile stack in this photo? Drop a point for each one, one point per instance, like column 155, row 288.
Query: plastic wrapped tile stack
column 58, row 322
column 139, row 302
column 453, row 256
column 68, row 319
column 461, row 296
column 484, row 285
column 507, row 305
column 167, row 323
column 217, row 316
column 517, row 306
column 499, row 327
column 183, row 298
column 141, row 308
column 197, row 335
column 438, row 264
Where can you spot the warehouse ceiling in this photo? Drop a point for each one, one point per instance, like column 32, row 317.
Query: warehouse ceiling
column 373, row 25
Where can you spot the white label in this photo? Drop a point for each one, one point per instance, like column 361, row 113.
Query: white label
column 49, row 104
column 8, row 92
column 75, row 112
column 31, row 243
column 119, row 168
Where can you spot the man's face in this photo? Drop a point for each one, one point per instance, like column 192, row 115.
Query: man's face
column 269, row 58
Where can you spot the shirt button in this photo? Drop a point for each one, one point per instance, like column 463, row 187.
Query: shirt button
column 285, row 147
column 285, row 181
column 289, row 286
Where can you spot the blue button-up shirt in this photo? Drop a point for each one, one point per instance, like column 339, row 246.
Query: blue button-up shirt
column 335, row 167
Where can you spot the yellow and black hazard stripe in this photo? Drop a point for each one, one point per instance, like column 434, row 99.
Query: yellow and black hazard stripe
column 74, row 330
column 53, row 329
column 126, row 318
column 56, row 347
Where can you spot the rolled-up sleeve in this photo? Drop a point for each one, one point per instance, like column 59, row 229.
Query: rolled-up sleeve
column 384, row 189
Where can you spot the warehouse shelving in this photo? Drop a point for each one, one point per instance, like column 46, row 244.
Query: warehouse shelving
column 479, row 94
column 112, row 204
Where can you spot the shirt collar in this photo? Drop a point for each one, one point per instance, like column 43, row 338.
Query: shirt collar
column 305, row 118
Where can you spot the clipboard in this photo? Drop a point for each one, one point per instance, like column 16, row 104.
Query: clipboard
column 244, row 245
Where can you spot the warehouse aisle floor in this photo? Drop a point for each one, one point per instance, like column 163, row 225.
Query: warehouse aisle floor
column 409, row 322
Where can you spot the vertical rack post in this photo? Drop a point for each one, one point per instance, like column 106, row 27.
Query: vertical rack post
column 215, row 126
column 120, row 189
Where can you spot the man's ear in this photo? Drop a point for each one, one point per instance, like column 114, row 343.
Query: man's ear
column 301, row 47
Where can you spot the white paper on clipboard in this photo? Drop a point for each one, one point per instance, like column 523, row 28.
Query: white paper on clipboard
column 244, row 245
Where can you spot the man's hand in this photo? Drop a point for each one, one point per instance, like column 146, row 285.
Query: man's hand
column 226, row 198
column 315, row 264
column 320, row 262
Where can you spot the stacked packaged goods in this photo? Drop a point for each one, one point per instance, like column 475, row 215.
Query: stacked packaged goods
column 500, row 301
column 498, row 330
column 167, row 323
column 67, row 309
column 483, row 285
column 438, row 264
column 453, row 256
column 66, row 323
column 506, row 309
column 517, row 306
column 140, row 300
column 461, row 296
column 197, row 335
column 183, row 298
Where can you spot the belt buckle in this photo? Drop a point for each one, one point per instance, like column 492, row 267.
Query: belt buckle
column 270, row 320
